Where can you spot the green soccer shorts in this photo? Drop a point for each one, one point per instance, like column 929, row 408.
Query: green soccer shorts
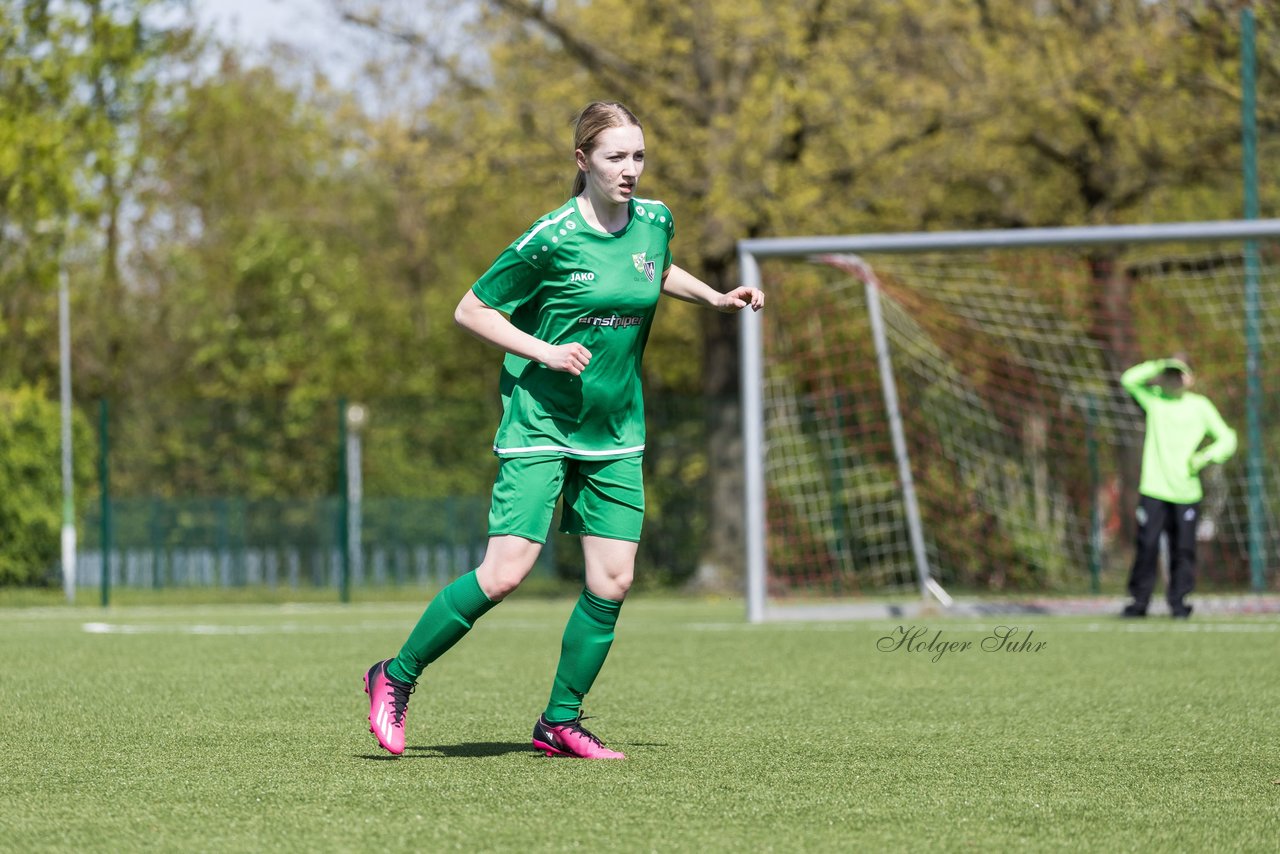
column 602, row 498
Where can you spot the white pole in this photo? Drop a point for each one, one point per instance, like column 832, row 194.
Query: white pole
column 752, row 377
column 68, row 499
column 356, row 417
column 939, row 241
column 914, row 528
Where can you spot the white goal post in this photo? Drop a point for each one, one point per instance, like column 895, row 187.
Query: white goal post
column 850, row 255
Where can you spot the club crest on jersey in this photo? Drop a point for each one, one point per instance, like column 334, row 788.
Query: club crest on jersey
column 649, row 268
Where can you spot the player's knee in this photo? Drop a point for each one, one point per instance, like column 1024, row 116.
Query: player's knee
column 499, row 575
column 499, row 582
column 620, row 581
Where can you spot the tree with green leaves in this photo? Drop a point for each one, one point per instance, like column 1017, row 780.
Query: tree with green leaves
column 75, row 77
column 244, row 238
column 75, row 80
column 834, row 117
column 31, row 483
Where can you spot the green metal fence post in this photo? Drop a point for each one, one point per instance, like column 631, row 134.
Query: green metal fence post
column 1095, row 481
column 104, row 487
column 1253, row 397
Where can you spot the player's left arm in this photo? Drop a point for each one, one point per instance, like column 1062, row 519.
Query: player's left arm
column 683, row 285
column 1224, row 440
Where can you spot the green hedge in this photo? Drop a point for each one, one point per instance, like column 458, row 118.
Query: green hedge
column 31, row 483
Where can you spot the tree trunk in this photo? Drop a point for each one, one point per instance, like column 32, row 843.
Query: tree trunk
column 1112, row 328
column 721, row 566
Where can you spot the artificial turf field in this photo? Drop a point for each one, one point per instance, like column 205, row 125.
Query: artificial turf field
column 241, row 728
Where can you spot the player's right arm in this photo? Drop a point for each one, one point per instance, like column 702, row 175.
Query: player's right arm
column 492, row 326
column 1135, row 379
column 511, row 281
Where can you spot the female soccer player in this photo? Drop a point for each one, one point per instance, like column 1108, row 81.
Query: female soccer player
column 571, row 303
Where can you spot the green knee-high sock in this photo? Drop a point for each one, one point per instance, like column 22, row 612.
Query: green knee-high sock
column 449, row 616
column 587, row 638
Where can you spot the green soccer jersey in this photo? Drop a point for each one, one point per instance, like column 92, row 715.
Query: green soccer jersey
column 1176, row 426
column 564, row 281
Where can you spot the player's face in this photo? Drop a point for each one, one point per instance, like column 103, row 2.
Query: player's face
column 1173, row 384
column 613, row 167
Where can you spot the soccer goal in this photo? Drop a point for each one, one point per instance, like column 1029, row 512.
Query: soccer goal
column 930, row 415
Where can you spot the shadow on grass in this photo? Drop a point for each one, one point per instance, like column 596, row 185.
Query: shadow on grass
column 470, row 750
column 477, row 749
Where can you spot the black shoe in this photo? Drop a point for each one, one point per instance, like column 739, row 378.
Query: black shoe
column 1132, row 610
column 1181, row 613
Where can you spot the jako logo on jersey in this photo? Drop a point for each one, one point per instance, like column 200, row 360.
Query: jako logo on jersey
column 649, row 268
column 582, row 277
column 613, row 321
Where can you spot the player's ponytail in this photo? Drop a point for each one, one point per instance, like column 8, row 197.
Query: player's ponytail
column 595, row 119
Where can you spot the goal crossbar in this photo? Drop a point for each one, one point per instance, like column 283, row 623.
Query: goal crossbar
column 783, row 247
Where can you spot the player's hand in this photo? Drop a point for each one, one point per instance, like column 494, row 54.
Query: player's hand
column 1195, row 465
column 1179, row 361
column 739, row 298
column 570, row 358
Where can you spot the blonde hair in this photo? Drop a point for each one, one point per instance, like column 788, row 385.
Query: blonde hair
column 594, row 119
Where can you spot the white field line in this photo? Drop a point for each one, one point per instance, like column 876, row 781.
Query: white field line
column 142, row 612
column 1119, row 626
column 1052, row 626
column 171, row 628
column 208, row 629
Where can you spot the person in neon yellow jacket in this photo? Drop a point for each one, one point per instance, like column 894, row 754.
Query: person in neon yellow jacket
column 1178, row 420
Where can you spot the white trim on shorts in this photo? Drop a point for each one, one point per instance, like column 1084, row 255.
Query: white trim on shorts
column 561, row 449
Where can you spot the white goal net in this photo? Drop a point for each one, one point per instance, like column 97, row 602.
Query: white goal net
column 929, row 412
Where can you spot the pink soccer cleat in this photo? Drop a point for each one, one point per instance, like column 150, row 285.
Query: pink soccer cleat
column 388, row 702
column 570, row 739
